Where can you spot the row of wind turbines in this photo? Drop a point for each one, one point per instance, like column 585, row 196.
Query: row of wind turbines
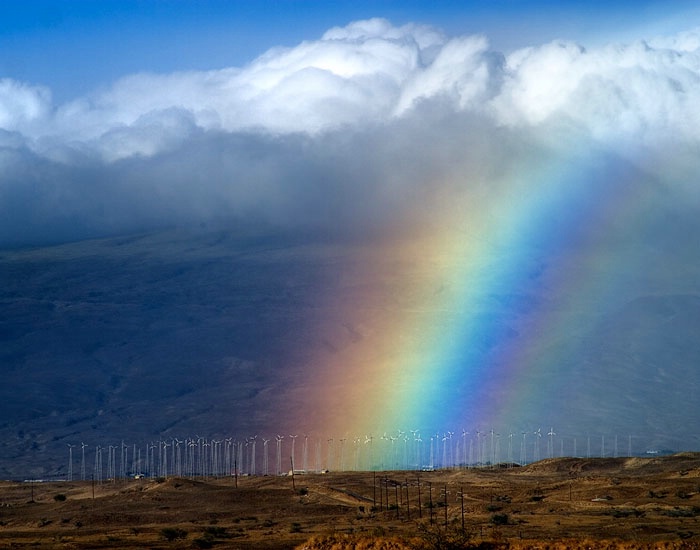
column 399, row 450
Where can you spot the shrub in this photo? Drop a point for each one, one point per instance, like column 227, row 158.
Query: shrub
column 678, row 512
column 499, row 519
column 216, row 532
column 436, row 538
column 626, row 512
column 60, row 497
column 173, row 533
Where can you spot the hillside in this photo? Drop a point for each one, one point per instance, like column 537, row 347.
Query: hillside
column 565, row 503
column 180, row 333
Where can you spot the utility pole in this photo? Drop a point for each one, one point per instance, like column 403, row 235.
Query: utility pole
column 430, row 496
column 374, row 489
column 386, row 488
column 445, row 504
column 420, row 505
column 396, row 490
column 291, row 461
column 408, row 504
column 235, row 470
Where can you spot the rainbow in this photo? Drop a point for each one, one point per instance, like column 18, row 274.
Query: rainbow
column 472, row 312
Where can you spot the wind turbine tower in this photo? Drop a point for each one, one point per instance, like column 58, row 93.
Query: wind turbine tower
column 294, row 458
column 82, row 462
column 305, row 452
column 538, row 436
column 550, row 445
column 70, row 462
column 279, row 439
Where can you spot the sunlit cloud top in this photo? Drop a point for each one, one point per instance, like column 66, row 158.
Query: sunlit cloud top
column 267, row 135
column 371, row 71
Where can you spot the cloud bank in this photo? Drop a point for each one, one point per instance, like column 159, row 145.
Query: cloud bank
column 346, row 133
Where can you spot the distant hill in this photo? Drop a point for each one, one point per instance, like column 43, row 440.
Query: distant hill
column 177, row 333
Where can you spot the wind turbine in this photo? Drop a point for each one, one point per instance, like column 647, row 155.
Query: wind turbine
column 317, row 454
column 451, row 449
column 510, row 449
column 228, row 465
column 356, row 441
column 329, row 457
column 538, row 436
column 70, row 462
column 384, row 438
column 253, row 443
column 122, row 454
column 478, row 448
column 602, row 446
column 265, row 462
column 393, row 452
column 279, row 439
column 370, row 439
column 111, row 474
column 152, row 449
column 406, row 457
column 97, row 469
column 82, row 462
column 190, row 448
column 178, row 457
column 342, row 454
column 165, row 459
column 402, row 435
column 306, row 453
column 551, row 435
column 294, row 458
column 419, row 451
column 415, row 435
column 465, row 433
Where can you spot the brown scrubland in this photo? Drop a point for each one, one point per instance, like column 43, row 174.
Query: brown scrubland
column 554, row 504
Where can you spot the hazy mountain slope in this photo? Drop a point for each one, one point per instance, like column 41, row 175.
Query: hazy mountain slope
column 180, row 333
column 128, row 338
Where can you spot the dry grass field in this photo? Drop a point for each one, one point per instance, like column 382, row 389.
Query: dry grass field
column 562, row 504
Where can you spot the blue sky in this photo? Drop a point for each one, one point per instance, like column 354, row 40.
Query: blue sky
column 77, row 46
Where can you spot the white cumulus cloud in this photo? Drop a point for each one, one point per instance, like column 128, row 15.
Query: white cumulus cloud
column 339, row 129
